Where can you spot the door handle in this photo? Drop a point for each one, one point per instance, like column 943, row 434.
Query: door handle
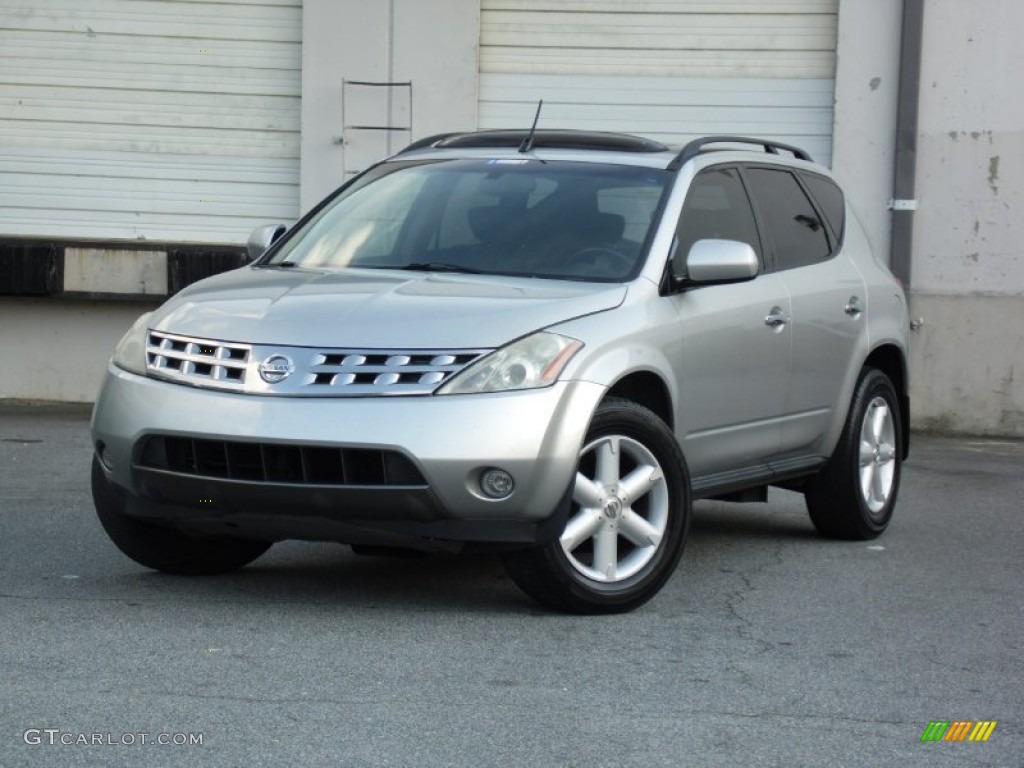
column 854, row 306
column 776, row 318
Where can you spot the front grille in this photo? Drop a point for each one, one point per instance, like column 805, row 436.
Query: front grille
column 277, row 463
column 196, row 361
column 368, row 372
column 312, row 371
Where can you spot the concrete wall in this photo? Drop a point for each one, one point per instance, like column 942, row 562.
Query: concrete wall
column 433, row 44
column 63, row 346
column 867, row 73
column 967, row 363
column 968, row 259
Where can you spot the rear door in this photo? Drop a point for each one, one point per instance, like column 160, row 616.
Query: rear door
column 802, row 217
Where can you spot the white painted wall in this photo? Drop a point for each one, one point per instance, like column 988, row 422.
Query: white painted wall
column 864, row 130
column 433, row 44
column 968, row 259
column 62, row 346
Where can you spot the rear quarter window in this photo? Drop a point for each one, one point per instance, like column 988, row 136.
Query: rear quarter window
column 830, row 199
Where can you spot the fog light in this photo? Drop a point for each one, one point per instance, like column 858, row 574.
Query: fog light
column 105, row 458
column 496, row 483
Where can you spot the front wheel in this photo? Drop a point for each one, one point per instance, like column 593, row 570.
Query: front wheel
column 628, row 522
column 161, row 547
column 854, row 495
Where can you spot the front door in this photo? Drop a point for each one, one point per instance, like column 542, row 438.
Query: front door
column 734, row 344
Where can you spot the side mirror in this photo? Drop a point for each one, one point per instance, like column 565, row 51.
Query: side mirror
column 720, row 261
column 262, row 238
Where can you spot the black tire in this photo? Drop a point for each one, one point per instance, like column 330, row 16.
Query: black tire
column 562, row 578
column 162, row 547
column 839, row 505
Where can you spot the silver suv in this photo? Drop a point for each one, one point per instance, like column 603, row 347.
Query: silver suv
column 546, row 343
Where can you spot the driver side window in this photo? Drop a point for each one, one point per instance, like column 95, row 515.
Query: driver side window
column 716, row 207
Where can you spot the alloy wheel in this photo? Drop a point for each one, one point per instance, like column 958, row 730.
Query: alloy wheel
column 877, row 454
column 620, row 512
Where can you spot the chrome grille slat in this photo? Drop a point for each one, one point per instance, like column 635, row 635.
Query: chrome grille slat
column 384, row 372
column 383, row 369
column 197, row 361
column 318, row 372
column 224, row 363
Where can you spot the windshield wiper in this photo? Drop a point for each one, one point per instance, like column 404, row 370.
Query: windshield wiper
column 439, row 266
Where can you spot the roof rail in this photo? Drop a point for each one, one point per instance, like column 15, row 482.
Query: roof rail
column 696, row 146
column 427, row 141
column 543, row 138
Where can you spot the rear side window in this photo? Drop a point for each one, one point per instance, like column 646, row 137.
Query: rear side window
column 830, row 200
column 796, row 231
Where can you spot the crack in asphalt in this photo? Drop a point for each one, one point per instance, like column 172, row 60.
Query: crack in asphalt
column 736, row 597
column 382, row 700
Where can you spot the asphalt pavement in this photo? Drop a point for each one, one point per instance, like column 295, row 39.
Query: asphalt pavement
column 769, row 647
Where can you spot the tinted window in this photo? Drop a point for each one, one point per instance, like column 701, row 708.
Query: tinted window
column 716, row 207
column 797, row 234
column 829, row 198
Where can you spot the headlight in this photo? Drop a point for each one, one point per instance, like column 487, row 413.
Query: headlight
column 533, row 362
column 131, row 350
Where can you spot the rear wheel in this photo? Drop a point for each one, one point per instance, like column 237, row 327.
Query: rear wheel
column 164, row 548
column 628, row 522
column 854, row 495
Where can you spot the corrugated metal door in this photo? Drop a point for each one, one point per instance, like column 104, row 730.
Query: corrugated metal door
column 171, row 120
column 667, row 69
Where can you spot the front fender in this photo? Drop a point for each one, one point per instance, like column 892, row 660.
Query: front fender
column 637, row 337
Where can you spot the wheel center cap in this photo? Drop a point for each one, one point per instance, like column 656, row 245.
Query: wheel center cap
column 613, row 508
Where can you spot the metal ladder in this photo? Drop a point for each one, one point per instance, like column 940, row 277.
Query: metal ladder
column 351, row 126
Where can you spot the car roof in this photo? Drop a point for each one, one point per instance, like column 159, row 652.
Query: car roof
column 559, row 139
column 603, row 147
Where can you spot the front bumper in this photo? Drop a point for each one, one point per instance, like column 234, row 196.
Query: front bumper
column 534, row 435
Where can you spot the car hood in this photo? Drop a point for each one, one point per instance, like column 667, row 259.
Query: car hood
column 376, row 309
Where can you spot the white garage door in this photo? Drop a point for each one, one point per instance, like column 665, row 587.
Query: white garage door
column 174, row 120
column 671, row 70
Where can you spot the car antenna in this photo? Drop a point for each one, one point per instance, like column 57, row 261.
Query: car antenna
column 527, row 144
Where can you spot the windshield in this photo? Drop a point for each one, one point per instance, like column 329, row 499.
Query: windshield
column 570, row 220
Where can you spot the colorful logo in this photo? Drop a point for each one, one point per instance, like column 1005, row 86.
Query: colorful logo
column 958, row 730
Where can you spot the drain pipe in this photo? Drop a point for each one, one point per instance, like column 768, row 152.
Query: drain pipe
column 904, row 203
